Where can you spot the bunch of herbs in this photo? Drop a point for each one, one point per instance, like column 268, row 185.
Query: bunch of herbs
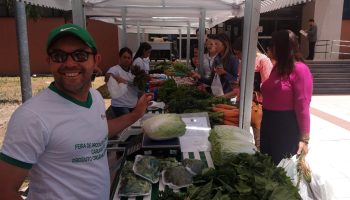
column 244, row 176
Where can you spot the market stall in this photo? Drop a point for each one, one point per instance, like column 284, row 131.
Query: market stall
column 229, row 166
column 210, row 135
column 250, row 43
column 193, row 145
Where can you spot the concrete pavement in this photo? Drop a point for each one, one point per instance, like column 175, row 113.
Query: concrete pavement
column 330, row 143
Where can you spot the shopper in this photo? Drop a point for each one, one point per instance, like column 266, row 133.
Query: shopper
column 194, row 51
column 263, row 67
column 59, row 137
column 208, row 60
column 142, row 55
column 285, row 128
column 225, row 64
column 122, row 73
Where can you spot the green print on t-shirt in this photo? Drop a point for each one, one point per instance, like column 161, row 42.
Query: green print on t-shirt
column 98, row 150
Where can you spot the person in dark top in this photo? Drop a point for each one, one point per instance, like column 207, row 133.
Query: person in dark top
column 225, row 64
column 194, row 52
column 312, row 37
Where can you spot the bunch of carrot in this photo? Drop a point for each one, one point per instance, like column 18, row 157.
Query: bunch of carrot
column 230, row 113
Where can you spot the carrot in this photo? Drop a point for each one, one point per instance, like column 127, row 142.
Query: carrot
column 229, row 107
column 230, row 123
column 231, row 113
column 215, row 109
column 234, row 120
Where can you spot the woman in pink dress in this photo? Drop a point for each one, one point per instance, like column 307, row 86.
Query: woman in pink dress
column 285, row 126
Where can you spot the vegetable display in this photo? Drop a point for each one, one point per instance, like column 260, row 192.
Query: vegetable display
column 230, row 113
column 193, row 166
column 147, row 167
column 132, row 185
column 164, row 127
column 245, row 176
column 187, row 99
column 227, row 141
column 141, row 77
column 177, row 177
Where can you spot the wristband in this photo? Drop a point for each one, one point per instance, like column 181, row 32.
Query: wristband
column 306, row 141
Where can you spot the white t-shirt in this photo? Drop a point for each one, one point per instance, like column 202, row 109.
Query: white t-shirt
column 143, row 63
column 63, row 143
column 207, row 65
column 129, row 99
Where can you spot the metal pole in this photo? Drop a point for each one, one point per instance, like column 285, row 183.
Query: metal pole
column 78, row 13
column 180, row 44
column 143, row 35
column 138, row 33
column 250, row 38
column 188, row 45
column 201, row 41
column 23, row 52
column 125, row 37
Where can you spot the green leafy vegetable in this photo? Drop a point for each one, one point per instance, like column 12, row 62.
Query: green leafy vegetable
column 147, row 167
column 164, row 127
column 244, row 176
column 130, row 184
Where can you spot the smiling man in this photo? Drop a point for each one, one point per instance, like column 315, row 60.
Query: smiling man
column 59, row 137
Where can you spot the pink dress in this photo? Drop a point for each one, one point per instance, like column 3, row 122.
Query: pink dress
column 291, row 93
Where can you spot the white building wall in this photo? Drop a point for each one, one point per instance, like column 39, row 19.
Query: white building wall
column 328, row 18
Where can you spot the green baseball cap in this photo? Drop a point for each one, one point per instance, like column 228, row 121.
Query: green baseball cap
column 71, row 29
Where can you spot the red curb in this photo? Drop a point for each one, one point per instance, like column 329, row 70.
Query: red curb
column 331, row 118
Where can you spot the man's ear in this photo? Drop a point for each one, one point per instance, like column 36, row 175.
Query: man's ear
column 98, row 59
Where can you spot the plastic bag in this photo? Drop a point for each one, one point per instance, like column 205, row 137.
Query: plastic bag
column 216, row 86
column 147, row 167
column 131, row 185
column 321, row 188
column 317, row 189
column 176, row 177
column 116, row 89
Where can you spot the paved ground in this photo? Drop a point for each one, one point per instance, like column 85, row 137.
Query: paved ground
column 330, row 143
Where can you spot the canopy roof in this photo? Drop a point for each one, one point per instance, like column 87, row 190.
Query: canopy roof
column 170, row 14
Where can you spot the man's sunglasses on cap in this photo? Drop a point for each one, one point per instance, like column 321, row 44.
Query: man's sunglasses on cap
column 60, row 56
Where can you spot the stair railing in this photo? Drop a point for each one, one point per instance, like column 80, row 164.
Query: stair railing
column 328, row 47
column 324, row 45
column 341, row 44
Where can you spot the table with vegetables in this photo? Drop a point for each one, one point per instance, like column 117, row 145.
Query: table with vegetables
column 217, row 159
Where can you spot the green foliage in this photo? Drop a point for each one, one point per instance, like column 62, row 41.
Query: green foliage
column 245, row 176
column 141, row 78
column 169, row 194
column 180, row 69
column 131, row 184
column 164, row 92
column 187, row 99
column 160, row 67
column 147, row 167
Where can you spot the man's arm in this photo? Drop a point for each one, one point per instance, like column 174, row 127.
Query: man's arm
column 11, row 179
column 115, row 126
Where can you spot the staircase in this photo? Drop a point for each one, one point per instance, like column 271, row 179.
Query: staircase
column 330, row 77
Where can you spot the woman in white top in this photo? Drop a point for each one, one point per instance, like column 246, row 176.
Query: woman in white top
column 141, row 57
column 208, row 59
column 122, row 73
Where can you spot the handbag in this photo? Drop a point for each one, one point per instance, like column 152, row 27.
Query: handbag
column 256, row 114
column 216, row 86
